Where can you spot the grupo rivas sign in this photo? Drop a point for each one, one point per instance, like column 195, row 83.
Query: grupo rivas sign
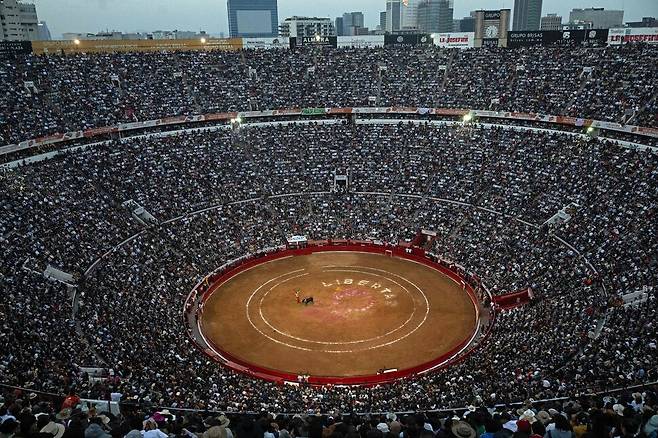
column 625, row 35
column 461, row 40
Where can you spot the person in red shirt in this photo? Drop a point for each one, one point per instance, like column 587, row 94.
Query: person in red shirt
column 71, row 401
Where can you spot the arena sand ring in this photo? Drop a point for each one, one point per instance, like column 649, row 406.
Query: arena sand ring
column 370, row 315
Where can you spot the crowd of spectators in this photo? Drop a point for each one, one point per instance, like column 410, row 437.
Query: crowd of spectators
column 486, row 191
column 624, row 415
column 75, row 92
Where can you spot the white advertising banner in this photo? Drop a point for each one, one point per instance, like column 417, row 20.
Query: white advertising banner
column 459, row 40
column 297, row 240
column 266, row 43
column 633, row 35
column 361, row 41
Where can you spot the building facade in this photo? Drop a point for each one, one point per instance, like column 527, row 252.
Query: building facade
column 393, row 15
column 551, row 22
column 43, row 33
column 466, row 24
column 410, row 14
column 435, row 16
column 527, row 14
column 599, row 17
column 646, row 22
column 252, row 18
column 19, row 21
column 339, row 26
column 382, row 20
column 302, row 27
column 352, row 22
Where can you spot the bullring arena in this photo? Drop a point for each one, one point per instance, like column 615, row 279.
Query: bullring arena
column 408, row 313
column 345, row 231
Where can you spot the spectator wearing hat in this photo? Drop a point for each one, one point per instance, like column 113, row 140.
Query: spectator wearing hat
column 383, row 428
column 219, row 427
column 544, row 417
column 55, row 430
column 461, row 429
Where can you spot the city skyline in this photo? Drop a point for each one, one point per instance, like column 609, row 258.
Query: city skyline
column 211, row 15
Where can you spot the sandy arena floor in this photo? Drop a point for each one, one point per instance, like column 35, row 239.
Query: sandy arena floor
column 370, row 312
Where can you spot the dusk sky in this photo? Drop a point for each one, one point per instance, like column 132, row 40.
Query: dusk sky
column 210, row 15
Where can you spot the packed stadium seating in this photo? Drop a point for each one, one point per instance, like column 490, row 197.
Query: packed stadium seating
column 68, row 211
column 217, row 194
column 85, row 91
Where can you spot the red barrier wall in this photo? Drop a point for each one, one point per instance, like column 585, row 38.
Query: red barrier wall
column 513, row 299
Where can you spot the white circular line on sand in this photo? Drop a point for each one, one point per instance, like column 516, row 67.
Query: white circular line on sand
column 384, row 344
column 254, row 325
column 260, row 311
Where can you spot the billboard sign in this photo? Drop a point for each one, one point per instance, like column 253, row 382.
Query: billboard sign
column 9, row 49
column 408, row 39
column 460, row 40
column 578, row 36
column 266, row 43
column 633, row 35
column 361, row 41
column 556, row 37
column 525, row 38
column 317, row 41
column 112, row 46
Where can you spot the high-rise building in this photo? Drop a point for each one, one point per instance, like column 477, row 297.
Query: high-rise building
column 382, row 20
column 466, row 24
column 393, row 15
column 43, row 33
column 19, row 21
column 302, row 27
column 339, row 26
column 599, row 17
column 410, row 14
column 435, row 16
column 527, row 14
column 252, row 18
column 352, row 21
column 551, row 22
